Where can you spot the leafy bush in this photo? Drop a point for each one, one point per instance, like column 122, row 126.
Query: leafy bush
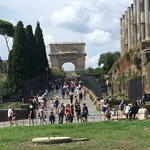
column 120, row 78
column 127, row 56
column 137, row 60
column 5, row 89
column 58, row 73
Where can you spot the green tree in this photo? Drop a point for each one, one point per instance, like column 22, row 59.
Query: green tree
column 42, row 58
column 108, row 59
column 58, row 73
column 6, row 30
column 32, row 53
column 17, row 67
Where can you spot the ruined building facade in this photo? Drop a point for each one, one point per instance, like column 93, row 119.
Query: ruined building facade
column 130, row 75
column 135, row 25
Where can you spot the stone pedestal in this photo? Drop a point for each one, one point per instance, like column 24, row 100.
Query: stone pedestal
column 142, row 114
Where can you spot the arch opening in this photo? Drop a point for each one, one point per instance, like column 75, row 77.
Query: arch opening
column 68, row 67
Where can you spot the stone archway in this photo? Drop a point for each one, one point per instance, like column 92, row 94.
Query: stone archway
column 68, row 52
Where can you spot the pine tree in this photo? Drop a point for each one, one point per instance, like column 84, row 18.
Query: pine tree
column 43, row 62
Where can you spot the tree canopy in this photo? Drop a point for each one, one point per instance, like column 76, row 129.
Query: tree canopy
column 17, row 71
column 32, row 53
column 41, row 51
column 6, row 30
column 108, row 59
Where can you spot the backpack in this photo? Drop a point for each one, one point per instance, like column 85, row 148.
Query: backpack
column 85, row 111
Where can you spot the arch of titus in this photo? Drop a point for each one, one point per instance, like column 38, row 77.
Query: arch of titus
column 61, row 53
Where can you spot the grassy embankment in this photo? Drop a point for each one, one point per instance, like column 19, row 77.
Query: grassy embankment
column 119, row 135
column 15, row 105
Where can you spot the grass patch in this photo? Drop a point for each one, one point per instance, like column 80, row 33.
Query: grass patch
column 119, row 135
column 10, row 104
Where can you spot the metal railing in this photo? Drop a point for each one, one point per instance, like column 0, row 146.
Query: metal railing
column 91, row 118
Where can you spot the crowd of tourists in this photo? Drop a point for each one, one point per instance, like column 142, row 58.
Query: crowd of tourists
column 66, row 108
column 71, row 106
column 128, row 110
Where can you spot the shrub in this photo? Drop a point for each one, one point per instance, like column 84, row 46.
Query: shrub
column 137, row 60
column 127, row 56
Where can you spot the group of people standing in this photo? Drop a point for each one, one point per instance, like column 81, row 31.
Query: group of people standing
column 73, row 92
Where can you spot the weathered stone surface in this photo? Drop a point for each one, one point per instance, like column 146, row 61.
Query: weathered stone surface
column 67, row 52
column 51, row 140
column 54, row 140
column 142, row 114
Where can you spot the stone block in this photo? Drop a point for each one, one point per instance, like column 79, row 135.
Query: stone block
column 142, row 114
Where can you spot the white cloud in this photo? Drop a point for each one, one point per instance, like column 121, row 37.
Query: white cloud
column 86, row 16
column 92, row 61
column 98, row 37
column 72, row 16
column 48, row 39
column 94, row 21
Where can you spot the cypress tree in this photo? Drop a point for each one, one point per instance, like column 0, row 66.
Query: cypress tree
column 43, row 62
column 32, row 52
column 18, row 63
column 11, row 78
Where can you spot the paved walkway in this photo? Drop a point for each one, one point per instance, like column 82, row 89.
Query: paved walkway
column 94, row 115
column 91, row 107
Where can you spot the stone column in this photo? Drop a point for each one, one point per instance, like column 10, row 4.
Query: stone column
column 126, row 30
column 129, row 28
column 123, row 33
column 138, row 21
column 146, row 6
column 121, row 36
column 145, row 64
column 132, row 27
column 146, row 69
column 134, row 22
column 142, row 21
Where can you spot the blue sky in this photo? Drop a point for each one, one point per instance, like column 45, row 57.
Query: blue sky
column 95, row 22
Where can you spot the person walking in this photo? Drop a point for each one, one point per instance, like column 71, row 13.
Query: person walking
column 78, row 111
column 31, row 115
column 52, row 117
column 84, row 113
column 10, row 115
column 61, row 112
column 13, row 116
column 68, row 114
column 42, row 115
